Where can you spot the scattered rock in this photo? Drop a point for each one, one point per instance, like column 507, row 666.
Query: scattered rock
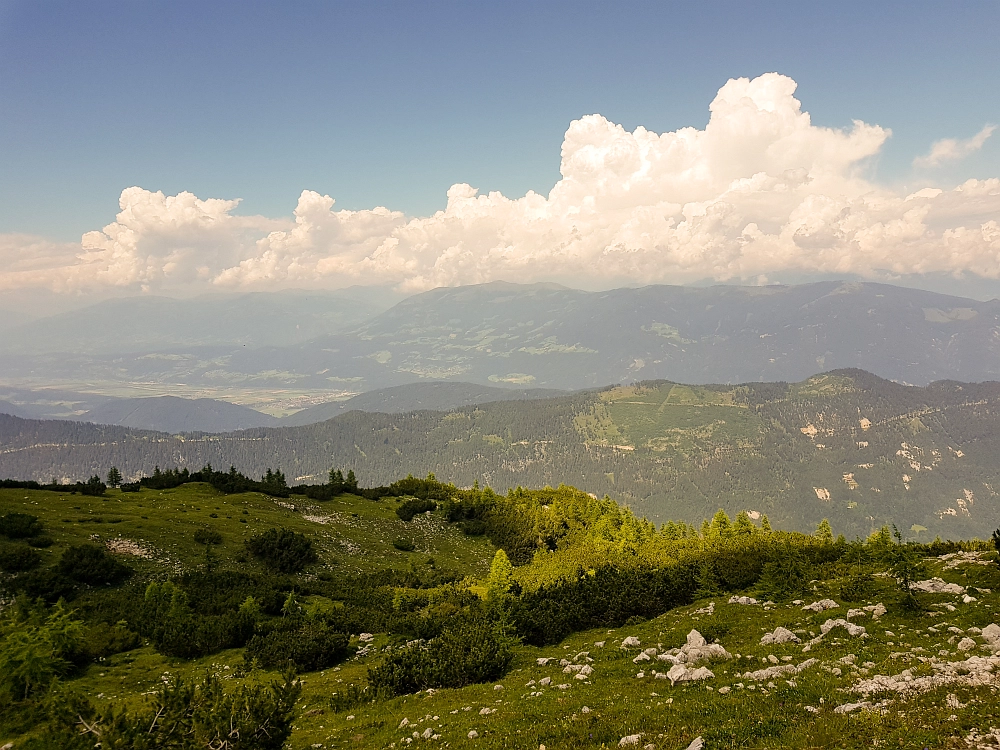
column 473, row 734
column 631, row 740
column 850, row 707
column 771, row 672
column 680, row 673
column 744, row 600
column 974, row 671
column 966, row 644
column 821, row 605
column 937, row 586
column 779, row 636
column 643, row 656
column 631, row 642
column 850, row 627
column 698, row 744
column 991, row 634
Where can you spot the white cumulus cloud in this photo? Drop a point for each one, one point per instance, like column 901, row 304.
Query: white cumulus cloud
column 952, row 149
column 759, row 191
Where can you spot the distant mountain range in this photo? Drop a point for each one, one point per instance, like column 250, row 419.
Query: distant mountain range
column 511, row 335
column 846, row 445
column 154, row 324
column 436, row 396
column 183, row 415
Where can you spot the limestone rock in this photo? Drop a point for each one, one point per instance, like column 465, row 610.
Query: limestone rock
column 631, row 642
column 937, row 586
column 696, row 640
column 779, row 636
column 850, row 627
column 680, row 673
column 991, row 634
column 821, row 605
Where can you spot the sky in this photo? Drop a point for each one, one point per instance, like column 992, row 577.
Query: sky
column 184, row 147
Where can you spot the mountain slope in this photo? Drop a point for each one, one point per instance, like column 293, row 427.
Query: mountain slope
column 550, row 336
column 6, row 407
column 544, row 335
column 149, row 324
column 846, row 445
column 437, row 396
column 174, row 415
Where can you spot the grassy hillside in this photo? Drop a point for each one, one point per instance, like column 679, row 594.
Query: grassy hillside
column 566, row 659
column 847, row 446
column 156, row 528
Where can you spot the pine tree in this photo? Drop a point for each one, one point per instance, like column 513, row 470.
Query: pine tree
column 743, row 526
column 501, row 577
column 721, row 525
column 824, row 532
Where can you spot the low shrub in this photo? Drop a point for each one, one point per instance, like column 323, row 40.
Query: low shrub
column 404, row 545
column 409, row 508
column 471, row 649
column 19, row 526
column 92, row 565
column 102, row 640
column 18, row 558
column 474, row 527
column 308, row 644
column 284, row 550
column 181, row 715
column 207, row 536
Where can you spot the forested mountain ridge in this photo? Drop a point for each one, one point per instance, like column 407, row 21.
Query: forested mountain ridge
column 845, row 445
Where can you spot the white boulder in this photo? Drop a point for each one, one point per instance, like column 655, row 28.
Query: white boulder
column 779, row 636
column 937, row 586
column 850, row 627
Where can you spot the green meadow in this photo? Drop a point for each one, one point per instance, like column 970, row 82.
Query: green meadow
column 571, row 667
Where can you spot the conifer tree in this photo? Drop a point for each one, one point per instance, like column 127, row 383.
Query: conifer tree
column 501, row 577
column 824, row 532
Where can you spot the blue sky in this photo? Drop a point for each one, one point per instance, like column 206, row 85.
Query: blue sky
column 391, row 103
column 186, row 147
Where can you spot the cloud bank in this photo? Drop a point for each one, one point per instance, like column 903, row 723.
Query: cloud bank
column 759, row 191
